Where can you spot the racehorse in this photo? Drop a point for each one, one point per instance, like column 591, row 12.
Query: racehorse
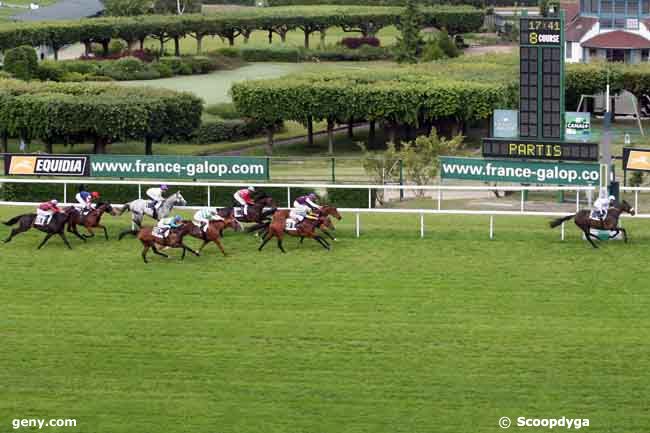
column 256, row 212
column 89, row 221
column 56, row 226
column 584, row 221
column 140, row 207
column 214, row 231
column 307, row 229
column 173, row 240
column 325, row 210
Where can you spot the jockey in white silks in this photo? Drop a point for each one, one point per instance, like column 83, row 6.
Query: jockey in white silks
column 203, row 217
column 602, row 204
column 302, row 206
column 157, row 195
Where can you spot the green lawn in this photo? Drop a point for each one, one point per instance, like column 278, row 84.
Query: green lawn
column 386, row 333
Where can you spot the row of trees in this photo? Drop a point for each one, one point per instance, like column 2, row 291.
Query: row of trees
column 71, row 113
column 125, row 8
column 365, row 20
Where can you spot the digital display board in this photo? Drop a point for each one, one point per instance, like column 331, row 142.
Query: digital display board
column 541, row 69
column 534, row 149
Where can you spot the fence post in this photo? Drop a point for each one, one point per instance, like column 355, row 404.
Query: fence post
column 562, row 231
column 522, row 200
column 636, row 200
column 65, row 193
column 333, row 170
column 289, row 197
column 358, row 224
column 439, row 198
column 491, row 226
column 369, row 198
column 401, row 179
column 139, row 191
column 268, row 168
column 577, row 200
column 209, row 203
column 421, row 225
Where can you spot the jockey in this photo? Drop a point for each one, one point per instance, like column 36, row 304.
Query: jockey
column 157, row 195
column 166, row 224
column 85, row 199
column 46, row 210
column 203, row 217
column 244, row 198
column 602, row 204
column 304, row 205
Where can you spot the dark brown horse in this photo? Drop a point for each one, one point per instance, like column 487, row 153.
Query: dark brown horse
column 256, row 212
column 325, row 210
column 584, row 221
column 173, row 240
column 56, row 226
column 214, row 230
column 306, row 229
column 89, row 221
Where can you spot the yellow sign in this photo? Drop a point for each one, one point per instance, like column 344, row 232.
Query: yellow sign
column 22, row 165
column 638, row 160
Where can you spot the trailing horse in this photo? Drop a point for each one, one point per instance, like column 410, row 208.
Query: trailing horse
column 173, row 240
column 584, row 221
column 89, row 221
column 140, row 207
column 55, row 226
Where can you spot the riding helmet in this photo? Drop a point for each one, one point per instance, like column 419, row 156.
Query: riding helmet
column 164, row 187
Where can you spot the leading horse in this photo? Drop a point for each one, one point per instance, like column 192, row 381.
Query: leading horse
column 584, row 221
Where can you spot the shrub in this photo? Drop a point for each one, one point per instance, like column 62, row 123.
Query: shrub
column 22, row 62
column 50, row 70
column 116, row 47
column 266, row 54
column 447, row 45
column 202, row 64
column 227, row 130
column 364, row 54
column 4, row 75
column 148, row 74
column 174, row 63
column 354, row 43
column 93, row 77
column 432, row 51
column 72, row 77
column 81, row 67
column 163, row 69
column 225, row 110
column 124, row 69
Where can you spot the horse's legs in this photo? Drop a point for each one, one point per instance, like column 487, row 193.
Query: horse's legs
column 105, row 231
column 588, row 235
column 65, row 240
column 203, row 245
column 185, row 247
column 622, row 230
column 328, row 234
column 218, row 242
column 280, row 245
column 155, row 250
column 47, row 238
column 144, row 252
column 323, row 242
column 267, row 238
column 73, row 229
column 91, row 234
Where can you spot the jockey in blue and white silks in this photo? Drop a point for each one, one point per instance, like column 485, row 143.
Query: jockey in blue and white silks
column 165, row 225
column 602, row 204
column 203, row 217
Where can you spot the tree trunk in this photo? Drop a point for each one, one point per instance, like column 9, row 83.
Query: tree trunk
column 48, row 146
column 56, row 53
column 270, row 37
column 283, row 37
column 199, row 44
column 148, row 145
column 231, row 40
column 310, row 131
column 350, row 129
column 105, row 43
column 269, row 141
column 372, row 134
column 141, row 44
column 162, row 46
column 330, row 136
column 5, row 142
column 306, row 39
column 87, row 48
column 177, row 47
column 323, row 34
column 100, row 145
column 390, row 127
column 130, row 45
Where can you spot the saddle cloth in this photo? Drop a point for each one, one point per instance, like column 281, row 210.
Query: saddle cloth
column 595, row 215
column 239, row 212
column 159, row 232
column 42, row 220
column 290, row 224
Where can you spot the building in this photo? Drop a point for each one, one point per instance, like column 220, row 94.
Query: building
column 63, row 10
column 615, row 30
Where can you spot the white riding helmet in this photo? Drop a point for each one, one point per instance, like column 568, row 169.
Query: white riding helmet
column 612, row 198
column 54, row 201
column 251, row 188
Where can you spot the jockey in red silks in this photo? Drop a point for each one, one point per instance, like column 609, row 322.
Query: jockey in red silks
column 244, row 198
column 45, row 211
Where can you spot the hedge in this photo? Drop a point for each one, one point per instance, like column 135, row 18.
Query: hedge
column 62, row 112
column 476, row 3
column 296, row 54
column 227, row 130
column 365, row 19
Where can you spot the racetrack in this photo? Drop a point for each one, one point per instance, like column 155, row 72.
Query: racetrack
column 386, row 333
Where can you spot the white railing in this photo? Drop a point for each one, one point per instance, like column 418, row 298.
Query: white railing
column 439, row 190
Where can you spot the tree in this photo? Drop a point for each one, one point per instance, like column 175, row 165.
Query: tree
column 22, row 62
column 409, row 44
column 127, row 8
column 178, row 7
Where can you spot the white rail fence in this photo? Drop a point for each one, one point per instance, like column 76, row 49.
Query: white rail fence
column 581, row 192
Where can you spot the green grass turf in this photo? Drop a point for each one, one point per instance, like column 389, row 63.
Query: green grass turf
column 386, row 333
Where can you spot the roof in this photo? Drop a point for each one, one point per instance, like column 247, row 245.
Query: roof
column 63, row 10
column 571, row 10
column 575, row 30
column 617, row 39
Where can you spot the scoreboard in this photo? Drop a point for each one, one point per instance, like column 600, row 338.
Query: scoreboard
column 541, row 81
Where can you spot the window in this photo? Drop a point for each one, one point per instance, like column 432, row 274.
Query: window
column 644, row 55
column 568, row 52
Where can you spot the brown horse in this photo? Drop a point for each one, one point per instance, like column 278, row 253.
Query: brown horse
column 56, row 226
column 306, row 229
column 173, row 240
column 213, row 233
column 584, row 221
column 325, row 210
column 89, row 221
column 256, row 212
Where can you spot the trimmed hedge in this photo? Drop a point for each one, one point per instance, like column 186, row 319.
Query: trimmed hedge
column 21, row 62
column 476, row 3
column 227, row 130
column 365, row 19
column 71, row 112
column 294, row 54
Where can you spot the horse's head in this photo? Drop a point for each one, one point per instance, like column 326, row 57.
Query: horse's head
column 325, row 221
column 265, row 200
column 331, row 211
column 177, row 199
column 106, row 207
column 624, row 206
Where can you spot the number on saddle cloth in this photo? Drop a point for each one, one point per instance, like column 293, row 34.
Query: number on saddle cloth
column 160, row 232
column 290, row 224
column 42, row 220
column 597, row 216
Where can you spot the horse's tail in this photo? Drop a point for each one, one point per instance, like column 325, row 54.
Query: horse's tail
column 14, row 220
column 559, row 221
column 125, row 208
